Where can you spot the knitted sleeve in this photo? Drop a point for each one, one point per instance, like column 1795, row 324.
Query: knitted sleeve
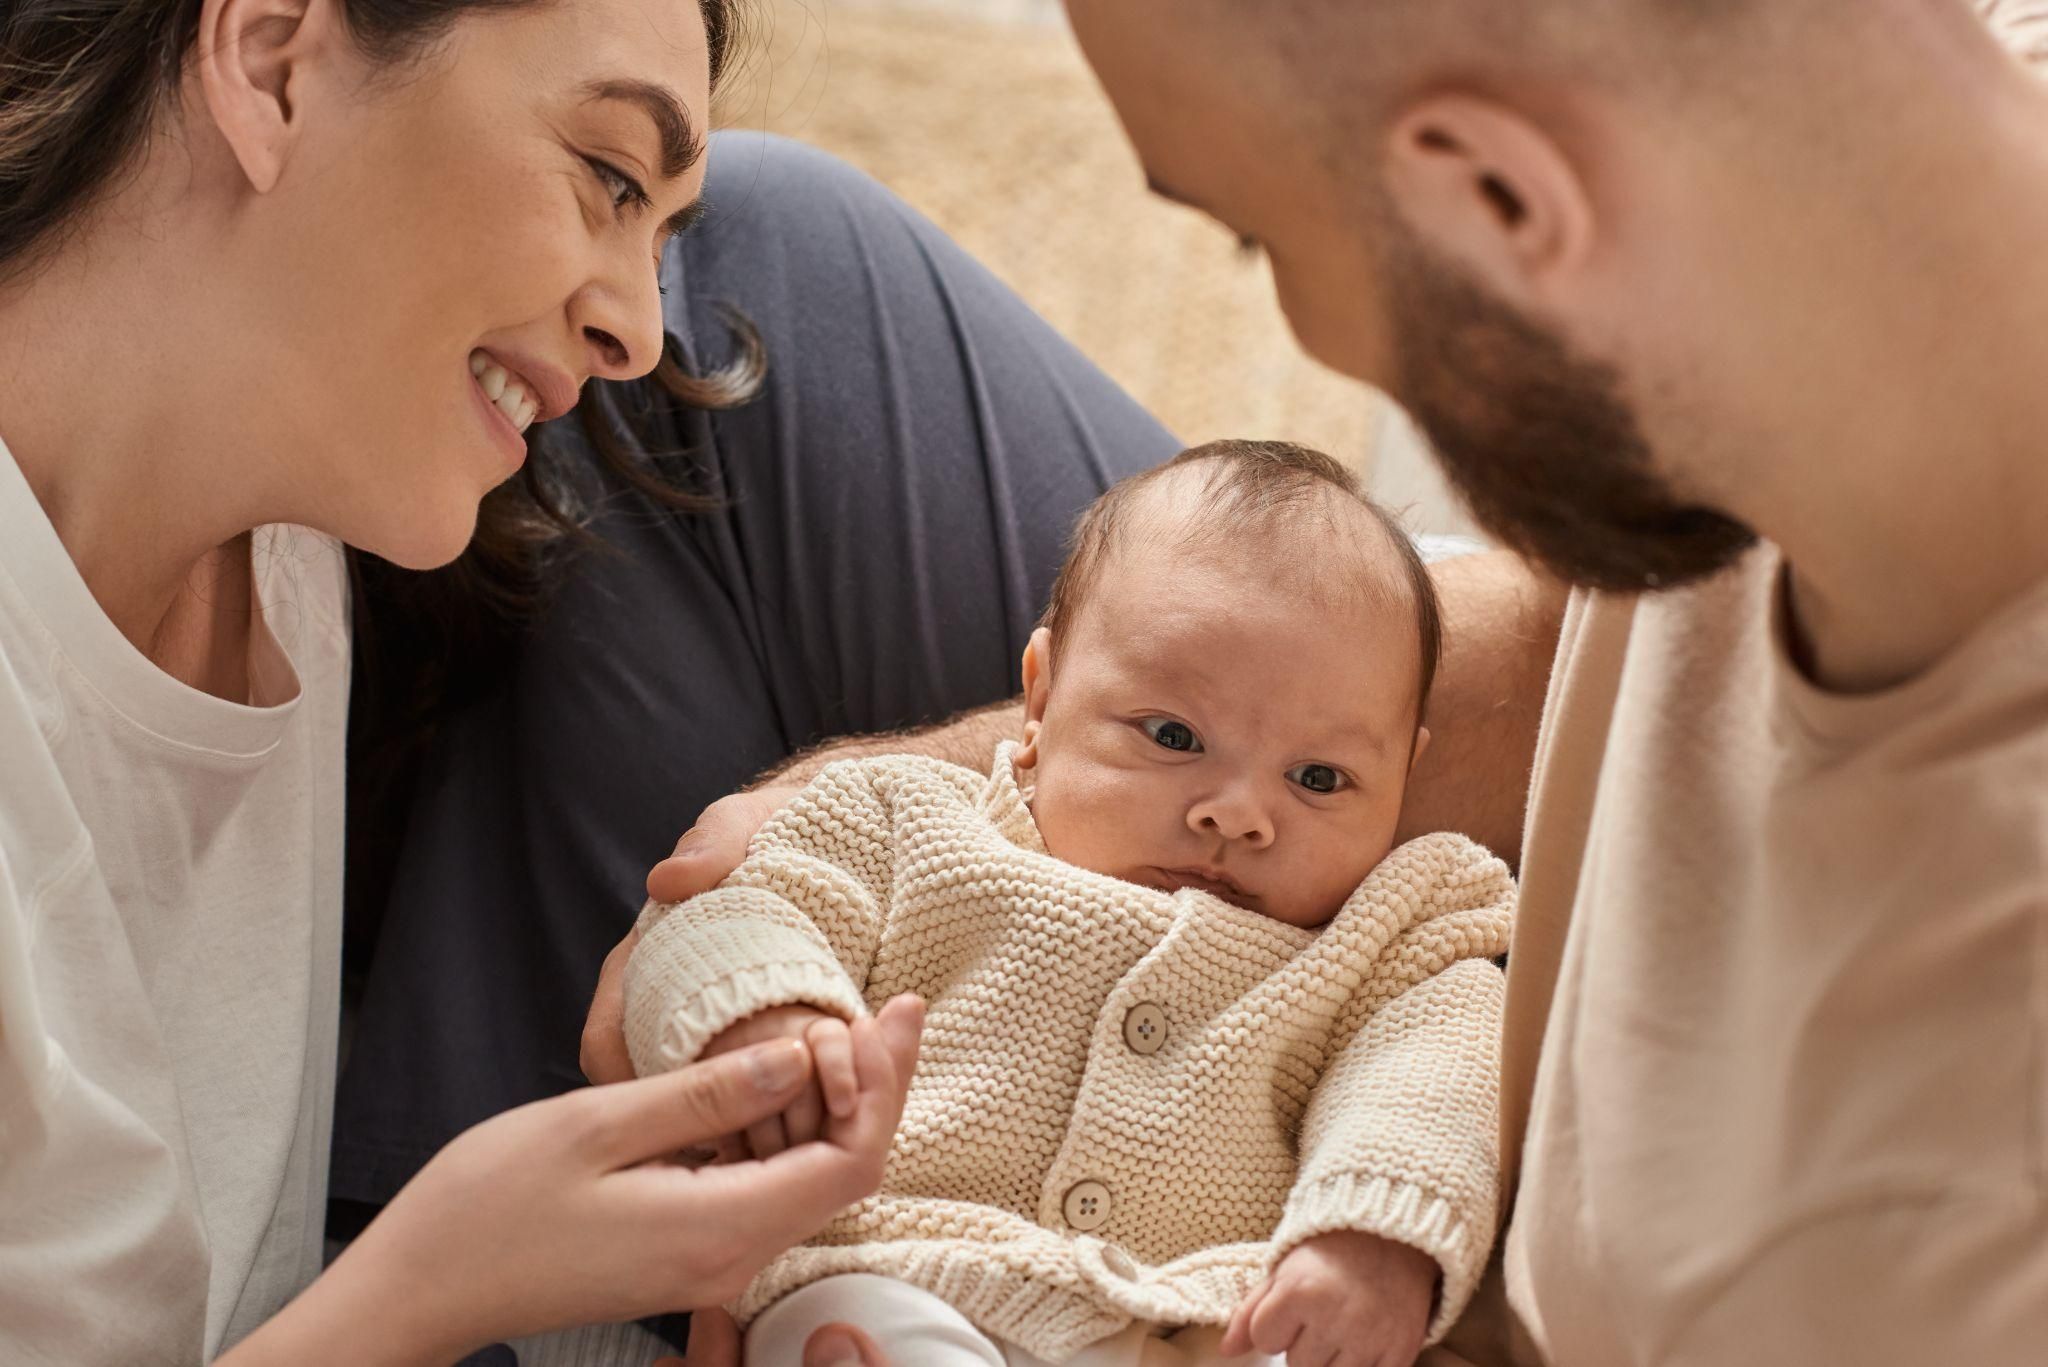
column 796, row 923
column 1400, row 1138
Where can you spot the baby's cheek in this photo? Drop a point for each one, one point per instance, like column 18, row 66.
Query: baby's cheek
column 1084, row 819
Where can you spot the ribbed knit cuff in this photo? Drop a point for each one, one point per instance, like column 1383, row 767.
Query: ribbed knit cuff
column 686, row 983
column 1395, row 1210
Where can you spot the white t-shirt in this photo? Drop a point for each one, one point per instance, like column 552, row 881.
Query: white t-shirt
column 170, row 916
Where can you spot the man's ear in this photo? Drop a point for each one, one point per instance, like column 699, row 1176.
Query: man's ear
column 1490, row 189
column 1421, row 744
column 1037, row 689
column 251, row 60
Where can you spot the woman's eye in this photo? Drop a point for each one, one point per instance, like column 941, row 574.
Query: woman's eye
column 1172, row 735
column 624, row 190
column 1317, row 778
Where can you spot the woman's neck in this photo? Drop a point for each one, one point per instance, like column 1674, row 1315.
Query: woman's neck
column 119, row 416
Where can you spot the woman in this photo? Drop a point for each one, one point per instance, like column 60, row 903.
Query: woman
column 274, row 262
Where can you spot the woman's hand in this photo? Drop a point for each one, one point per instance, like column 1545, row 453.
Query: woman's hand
column 705, row 854
column 566, row 1211
column 831, row 1094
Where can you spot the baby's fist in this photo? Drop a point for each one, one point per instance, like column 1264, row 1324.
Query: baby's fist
column 833, row 1091
column 1347, row 1299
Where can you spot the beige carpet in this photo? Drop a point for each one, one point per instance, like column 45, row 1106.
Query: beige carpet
column 985, row 117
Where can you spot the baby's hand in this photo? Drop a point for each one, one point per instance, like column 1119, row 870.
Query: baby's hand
column 1340, row 1300
column 833, row 1090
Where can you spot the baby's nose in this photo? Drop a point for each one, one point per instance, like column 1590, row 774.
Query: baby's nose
column 1233, row 817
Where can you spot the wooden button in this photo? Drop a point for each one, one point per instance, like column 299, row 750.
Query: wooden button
column 1145, row 1029
column 1086, row 1206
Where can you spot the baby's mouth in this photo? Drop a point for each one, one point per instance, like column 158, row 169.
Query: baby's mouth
column 1215, row 882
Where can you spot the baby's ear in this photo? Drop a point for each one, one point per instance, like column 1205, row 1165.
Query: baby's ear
column 1037, row 689
column 1421, row 744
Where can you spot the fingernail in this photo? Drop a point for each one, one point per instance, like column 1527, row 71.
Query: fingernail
column 778, row 1066
column 832, row 1348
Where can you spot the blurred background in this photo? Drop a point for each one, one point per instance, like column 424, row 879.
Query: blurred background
column 983, row 115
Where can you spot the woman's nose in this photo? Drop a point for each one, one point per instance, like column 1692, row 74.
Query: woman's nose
column 1234, row 814
column 620, row 319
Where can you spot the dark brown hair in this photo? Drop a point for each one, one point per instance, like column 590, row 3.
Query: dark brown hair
column 81, row 84
column 1252, row 484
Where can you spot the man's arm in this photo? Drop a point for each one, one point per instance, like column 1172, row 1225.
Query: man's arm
column 969, row 739
column 1501, row 621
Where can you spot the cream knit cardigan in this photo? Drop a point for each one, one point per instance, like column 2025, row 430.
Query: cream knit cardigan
column 1309, row 1080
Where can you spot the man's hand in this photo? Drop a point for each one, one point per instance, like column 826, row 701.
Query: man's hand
column 714, row 847
column 1347, row 1299
column 707, row 852
column 831, row 1091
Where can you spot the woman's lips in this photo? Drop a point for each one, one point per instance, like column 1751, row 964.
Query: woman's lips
column 511, row 445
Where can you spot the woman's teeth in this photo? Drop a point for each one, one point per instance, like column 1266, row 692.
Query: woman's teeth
column 513, row 399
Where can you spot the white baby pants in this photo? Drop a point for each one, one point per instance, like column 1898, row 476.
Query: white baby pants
column 918, row 1329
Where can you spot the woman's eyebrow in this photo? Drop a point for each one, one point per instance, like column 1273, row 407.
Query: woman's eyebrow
column 685, row 218
column 681, row 148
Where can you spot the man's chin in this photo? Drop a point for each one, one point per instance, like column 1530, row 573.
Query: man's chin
column 1696, row 546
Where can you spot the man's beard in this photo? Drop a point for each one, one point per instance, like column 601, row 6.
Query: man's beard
column 1539, row 441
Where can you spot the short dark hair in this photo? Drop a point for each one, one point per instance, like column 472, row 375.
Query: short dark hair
column 1252, row 484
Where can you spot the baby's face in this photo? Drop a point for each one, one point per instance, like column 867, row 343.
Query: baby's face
column 1211, row 724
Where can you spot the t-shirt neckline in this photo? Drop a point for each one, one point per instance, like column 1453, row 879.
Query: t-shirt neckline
column 1839, row 718
column 169, row 711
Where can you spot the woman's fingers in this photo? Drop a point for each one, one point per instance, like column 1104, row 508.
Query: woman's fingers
column 842, row 1345
column 657, row 1116
column 901, row 1021
column 603, row 1055
column 884, row 1058
column 714, row 847
column 785, row 1199
column 804, row 1121
column 767, row 1137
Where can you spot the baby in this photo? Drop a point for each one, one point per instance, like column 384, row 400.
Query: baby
column 1210, row 1068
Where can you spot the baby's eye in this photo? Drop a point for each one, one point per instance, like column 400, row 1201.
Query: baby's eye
column 1318, row 778
column 1174, row 735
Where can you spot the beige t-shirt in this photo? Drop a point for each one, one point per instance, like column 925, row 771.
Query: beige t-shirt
column 1775, row 1078
column 1792, row 1096
column 170, row 915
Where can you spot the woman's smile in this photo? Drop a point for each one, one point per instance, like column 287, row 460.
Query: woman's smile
column 516, row 393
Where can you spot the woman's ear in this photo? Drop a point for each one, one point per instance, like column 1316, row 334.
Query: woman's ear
column 251, row 60
column 1037, row 689
column 1490, row 189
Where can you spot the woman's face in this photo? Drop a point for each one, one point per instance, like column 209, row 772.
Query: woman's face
column 455, row 248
